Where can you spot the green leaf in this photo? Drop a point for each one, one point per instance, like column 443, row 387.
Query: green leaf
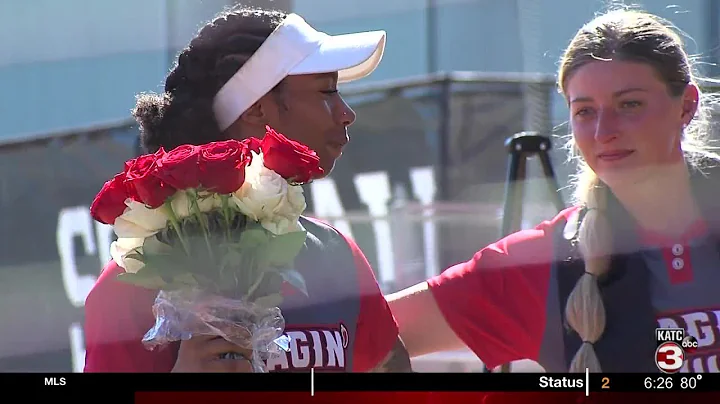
column 166, row 265
column 204, row 281
column 147, row 271
column 153, row 245
column 233, row 276
column 270, row 301
column 295, row 279
column 253, row 238
column 187, row 279
column 232, row 259
column 268, row 283
column 145, row 281
column 283, row 249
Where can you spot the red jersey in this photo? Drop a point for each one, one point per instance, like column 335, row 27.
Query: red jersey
column 503, row 303
column 344, row 325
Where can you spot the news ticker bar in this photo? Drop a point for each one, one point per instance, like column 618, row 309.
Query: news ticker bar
column 338, row 382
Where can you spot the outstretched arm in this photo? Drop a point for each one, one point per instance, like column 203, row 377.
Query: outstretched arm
column 422, row 326
column 494, row 303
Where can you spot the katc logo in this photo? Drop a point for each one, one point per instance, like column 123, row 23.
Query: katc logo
column 673, row 344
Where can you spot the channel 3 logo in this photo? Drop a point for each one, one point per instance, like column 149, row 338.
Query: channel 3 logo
column 673, row 345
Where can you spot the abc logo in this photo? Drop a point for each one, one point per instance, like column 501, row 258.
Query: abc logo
column 689, row 344
column 670, row 356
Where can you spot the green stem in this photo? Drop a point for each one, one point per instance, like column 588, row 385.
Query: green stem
column 207, row 239
column 202, row 220
column 176, row 224
column 254, row 286
column 226, row 215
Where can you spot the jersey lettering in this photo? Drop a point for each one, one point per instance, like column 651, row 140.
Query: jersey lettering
column 321, row 348
column 704, row 325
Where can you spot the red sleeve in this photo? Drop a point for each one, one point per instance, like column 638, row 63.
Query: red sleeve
column 377, row 331
column 496, row 302
column 117, row 316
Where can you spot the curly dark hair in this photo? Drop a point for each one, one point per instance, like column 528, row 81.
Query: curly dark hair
column 183, row 114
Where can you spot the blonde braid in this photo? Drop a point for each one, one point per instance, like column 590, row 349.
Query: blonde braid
column 585, row 311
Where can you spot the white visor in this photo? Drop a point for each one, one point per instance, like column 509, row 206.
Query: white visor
column 295, row 47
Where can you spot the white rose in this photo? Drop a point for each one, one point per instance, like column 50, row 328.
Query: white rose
column 120, row 249
column 139, row 221
column 268, row 198
column 206, row 202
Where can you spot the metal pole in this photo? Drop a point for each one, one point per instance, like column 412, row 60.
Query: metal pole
column 169, row 34
column 432, row 32
column 443, row 159
column 514, row 187
column 713, row 15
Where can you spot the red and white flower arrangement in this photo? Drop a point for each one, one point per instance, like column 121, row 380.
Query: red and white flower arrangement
column 215, row 229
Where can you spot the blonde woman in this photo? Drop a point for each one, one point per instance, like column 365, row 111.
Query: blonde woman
column 639, row 250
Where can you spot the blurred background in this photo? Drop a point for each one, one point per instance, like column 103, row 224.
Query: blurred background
column 421, row 187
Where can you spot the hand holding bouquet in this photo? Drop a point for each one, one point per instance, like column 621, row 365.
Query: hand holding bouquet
column 215, row 229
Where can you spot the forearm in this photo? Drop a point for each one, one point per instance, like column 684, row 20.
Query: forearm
column 421, row 324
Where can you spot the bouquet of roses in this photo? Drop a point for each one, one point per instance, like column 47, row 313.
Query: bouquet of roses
column 215, row 229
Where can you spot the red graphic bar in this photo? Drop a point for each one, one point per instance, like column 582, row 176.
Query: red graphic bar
column 423, row 398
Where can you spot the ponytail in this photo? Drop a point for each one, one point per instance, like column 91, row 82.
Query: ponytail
column 585, row 311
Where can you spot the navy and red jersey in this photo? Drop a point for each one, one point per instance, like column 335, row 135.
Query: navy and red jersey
column 344, row 324
column 504, row 304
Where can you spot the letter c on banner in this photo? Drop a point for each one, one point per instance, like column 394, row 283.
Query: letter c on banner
column 74, row 222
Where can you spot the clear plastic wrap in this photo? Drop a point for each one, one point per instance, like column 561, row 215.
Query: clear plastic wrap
column 184, row 313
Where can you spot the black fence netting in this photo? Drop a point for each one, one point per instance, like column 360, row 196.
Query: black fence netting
column 415, row 141
column 457, row 125
column 51, row 249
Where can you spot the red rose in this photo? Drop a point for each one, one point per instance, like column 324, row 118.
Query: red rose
column 292, row 160
column 253, row 144
column 222, row 165
column 179, row 167
column 142, row 183
column 109, row 203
